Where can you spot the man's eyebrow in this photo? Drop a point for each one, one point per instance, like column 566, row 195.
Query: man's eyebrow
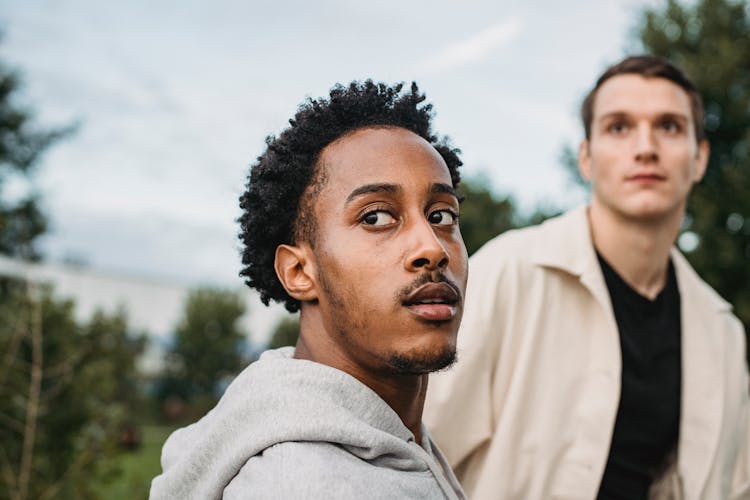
column 439, row 187
column 613, row 114
column 659, row 116
column 674, row 116
column 373, row 188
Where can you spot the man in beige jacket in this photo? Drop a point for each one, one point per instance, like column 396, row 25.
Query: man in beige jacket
column 593, row 361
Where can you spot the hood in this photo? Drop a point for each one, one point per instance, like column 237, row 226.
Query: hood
column 274, row 400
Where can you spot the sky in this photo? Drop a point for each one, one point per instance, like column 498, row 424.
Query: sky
column 172, row 101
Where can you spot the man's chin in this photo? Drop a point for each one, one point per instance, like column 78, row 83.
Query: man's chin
column 421, row 363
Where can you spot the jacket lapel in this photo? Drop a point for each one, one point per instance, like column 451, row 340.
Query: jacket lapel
column 572, row 250
column 702, row 380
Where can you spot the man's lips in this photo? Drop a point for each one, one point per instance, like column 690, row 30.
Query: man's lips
column 433, row 301
column 646, row 177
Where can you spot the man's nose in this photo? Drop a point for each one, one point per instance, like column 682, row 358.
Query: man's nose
column 645, row 144
column 428, row 252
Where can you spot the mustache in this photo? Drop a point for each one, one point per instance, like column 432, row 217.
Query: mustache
column 406, row 291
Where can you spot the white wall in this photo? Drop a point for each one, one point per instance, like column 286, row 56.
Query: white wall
column 153, row 306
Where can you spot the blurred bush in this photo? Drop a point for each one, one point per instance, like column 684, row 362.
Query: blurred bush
column 66, row 394
column 208, row 351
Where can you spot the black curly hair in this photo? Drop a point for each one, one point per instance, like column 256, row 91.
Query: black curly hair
column 275, row 208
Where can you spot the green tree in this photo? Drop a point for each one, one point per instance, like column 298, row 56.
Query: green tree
column 285, row 332
column 66, row 388
column 710, row 40
column 484, row 214
column 21, row 146
column 208, row 346
column 64, row 394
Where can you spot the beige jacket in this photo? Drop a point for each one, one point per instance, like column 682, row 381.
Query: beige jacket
column 528, row 411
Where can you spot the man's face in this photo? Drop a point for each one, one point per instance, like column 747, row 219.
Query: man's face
column 642, row 157
column 391, row 264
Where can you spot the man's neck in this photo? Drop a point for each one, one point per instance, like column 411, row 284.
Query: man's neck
column 405, row 394
column 638, row 250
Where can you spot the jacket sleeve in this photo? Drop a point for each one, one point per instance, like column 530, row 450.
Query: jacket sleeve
column 741, row 482
column 459, row 404
column 741, row 479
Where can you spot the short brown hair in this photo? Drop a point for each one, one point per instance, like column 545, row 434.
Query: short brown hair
column 648, row 67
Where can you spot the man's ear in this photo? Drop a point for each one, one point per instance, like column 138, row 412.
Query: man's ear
column 584, row 160
column 701, row 160
column 295, row 268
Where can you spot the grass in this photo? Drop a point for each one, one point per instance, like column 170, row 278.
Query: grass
column 139, row 466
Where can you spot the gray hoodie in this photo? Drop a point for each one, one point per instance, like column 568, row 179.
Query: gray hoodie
column 289, row 429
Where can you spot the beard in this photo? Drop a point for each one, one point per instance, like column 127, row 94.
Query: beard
column 412, row 362
column 421, row 363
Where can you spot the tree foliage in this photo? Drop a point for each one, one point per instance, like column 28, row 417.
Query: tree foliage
column 21, row 146
column 208, row 346
column 710, row 40
column 485, row 214
column 65, row 391
column 66, row 388
column 285, row 332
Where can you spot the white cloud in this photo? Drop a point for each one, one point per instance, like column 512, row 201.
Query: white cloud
column 475, row 48
column 171, row 118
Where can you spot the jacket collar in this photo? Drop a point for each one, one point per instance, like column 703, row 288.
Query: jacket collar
column 563, row 250
column 569, row 248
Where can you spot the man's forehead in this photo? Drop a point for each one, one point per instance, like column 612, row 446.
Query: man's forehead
column 383, row 156
column 396, row 190
column 372, row 142
column 635, row 93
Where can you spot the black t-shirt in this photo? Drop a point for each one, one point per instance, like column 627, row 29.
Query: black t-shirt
column 648, row 418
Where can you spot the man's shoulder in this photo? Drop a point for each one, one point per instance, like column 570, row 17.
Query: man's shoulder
column 534, row 243
column 291, row 466
column 692, row 285
column 275, row 401
column 703, row 301
column 304, row 469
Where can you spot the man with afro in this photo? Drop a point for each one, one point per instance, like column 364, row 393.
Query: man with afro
column 350, row 217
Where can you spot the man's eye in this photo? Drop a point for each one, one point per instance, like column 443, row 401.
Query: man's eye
column 617, row 128
column 670, row 126
column 378, row 218
column 442, row 217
